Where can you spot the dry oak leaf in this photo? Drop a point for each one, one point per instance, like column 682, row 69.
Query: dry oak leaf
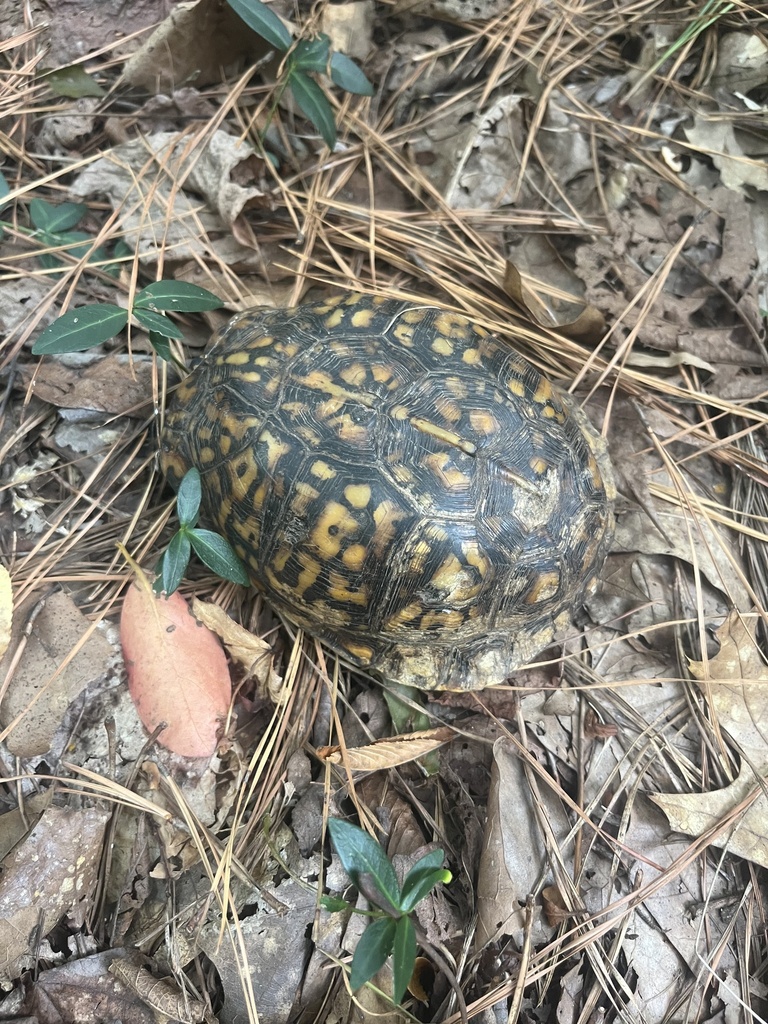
column 736, row 684
column 177, row 671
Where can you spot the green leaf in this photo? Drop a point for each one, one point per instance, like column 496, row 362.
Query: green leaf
column 78, row 244
column 403, row 957
column 81, row 328
column 263, row 21
column 160, row 345
column 310, row 54
column 419, row 883
column 372, row 951
column 158, row 323
column 348, row 76
column 55, row 219
column 334, row 904
column 174, row 563
column 362, row 855
column 176, row 297
column 73, row 82
column 188, row 498
column 311, row 101
column 5, row 188
column 216, row 552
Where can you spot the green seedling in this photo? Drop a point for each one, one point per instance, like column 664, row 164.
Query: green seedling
column 305, row 57
column 212, row 549
column 87, row 326
column 391, row 931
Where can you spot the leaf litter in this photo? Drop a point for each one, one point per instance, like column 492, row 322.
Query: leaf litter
column 590, row 184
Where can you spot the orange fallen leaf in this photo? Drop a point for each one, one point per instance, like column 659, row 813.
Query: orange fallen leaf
column 177, row 671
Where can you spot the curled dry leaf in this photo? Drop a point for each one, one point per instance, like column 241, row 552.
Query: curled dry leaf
column 177, row 671
column 735, row 682
column 389, row 752
column 552, row 302
column 252, row 653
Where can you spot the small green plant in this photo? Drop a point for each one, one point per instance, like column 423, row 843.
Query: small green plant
column 305, row 57
column 391, row 932
column 91, row 325
column 212, row 549
column 53, row 225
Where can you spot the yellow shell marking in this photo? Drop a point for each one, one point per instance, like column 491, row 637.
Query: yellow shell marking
column 263, row 342
column 348, row 430
column 339, row 591
column 354, row 374
column 358, row 495
column 276, row 448
column 448, row 436
column 235, row 359
column 359, row 651
column 451, row 477
column 334, row 318
column 544, row 588
column 448, row 574
column 408, row 614
column 334, row 525
column 449, row 409
column 483, row 422
column 452, row 324
column 322, row 470
column 543, row 392
column 442, row 346
column 471, row 356
column 386, row 517
column 450, row 619
column 516, row 387
column 362, row 318
column 207, row 455
column 354, row 557
column 456, row 387
column 320, row 381
column 538, row 466
column 310, row 570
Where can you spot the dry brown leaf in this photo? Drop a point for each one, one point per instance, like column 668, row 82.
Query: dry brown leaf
column 735, row 682
column 739, row 167
column 177, row 671
column 349, row 26
column 55, row 665
column 514, row 853
column 249, row 651
column 551, row 301
column 388, row 753
column 200, row 41
column 52, row 873
column 114, row 384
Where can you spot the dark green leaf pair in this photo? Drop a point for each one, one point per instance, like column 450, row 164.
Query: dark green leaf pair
column 392, row 933
column 212, row 549
column 307, row 56
column 53, row 225
column 88, row 326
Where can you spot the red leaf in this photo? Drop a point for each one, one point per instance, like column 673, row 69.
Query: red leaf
column 177, row 671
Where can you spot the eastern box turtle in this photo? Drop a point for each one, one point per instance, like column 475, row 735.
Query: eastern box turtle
column 397, row 482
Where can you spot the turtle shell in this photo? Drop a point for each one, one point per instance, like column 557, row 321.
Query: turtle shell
column 398, row 482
